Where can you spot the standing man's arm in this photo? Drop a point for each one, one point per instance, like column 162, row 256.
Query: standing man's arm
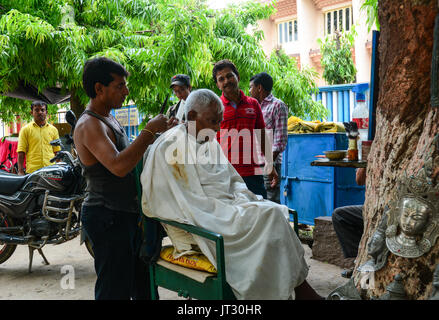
column 93, row 144
column 22, row 148
column 262, row 141
column 20, row 162
column 280, row 132
column 275, row 155
column 272, row 175
column 56, row 136
column 260, row 124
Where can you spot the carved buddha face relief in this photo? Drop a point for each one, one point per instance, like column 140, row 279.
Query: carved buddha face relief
column 414, row 217
column 413, row 220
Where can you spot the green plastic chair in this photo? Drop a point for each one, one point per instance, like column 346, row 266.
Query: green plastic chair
column 295, row 219
column 214, row 287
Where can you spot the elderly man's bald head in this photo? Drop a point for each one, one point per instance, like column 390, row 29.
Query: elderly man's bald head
column 202, row 99
column 205, row 110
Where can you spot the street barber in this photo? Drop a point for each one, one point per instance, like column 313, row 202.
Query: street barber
column 110, row 211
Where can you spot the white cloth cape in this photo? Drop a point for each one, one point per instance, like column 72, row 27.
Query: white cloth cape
column 264, row 258
column 181, row 110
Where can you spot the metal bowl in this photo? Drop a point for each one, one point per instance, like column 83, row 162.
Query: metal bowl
column 335, row 154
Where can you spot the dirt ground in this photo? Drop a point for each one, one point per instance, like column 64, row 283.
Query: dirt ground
column 71, row 276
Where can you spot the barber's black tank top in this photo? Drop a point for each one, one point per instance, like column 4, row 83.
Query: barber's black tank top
column 103, row 187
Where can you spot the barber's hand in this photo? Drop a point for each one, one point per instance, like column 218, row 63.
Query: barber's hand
column 157, row 124
column 172, row 122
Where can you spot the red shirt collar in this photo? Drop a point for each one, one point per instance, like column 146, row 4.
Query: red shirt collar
column 243, row 98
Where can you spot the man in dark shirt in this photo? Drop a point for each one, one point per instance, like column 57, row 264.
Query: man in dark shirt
column 110, row 211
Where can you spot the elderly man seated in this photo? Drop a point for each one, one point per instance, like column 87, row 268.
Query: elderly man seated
column 187, row 178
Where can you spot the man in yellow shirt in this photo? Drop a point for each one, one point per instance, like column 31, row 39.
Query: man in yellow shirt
column 34, row 141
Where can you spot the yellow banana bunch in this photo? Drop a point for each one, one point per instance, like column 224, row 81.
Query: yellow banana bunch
column 292, row 121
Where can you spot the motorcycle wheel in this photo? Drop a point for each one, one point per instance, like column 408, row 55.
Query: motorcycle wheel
column 6, row 250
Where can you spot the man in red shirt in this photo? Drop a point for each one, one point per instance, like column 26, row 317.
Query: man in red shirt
column 242, row 127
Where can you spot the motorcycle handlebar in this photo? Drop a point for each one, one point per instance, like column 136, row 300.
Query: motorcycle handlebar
column 63, row 155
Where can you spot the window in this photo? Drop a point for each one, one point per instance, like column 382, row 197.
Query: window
column 287, row 31
column 340, row 19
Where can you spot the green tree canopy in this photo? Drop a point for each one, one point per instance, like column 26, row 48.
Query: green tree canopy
column 371, row 9
column 46, row 43
column 337, row 62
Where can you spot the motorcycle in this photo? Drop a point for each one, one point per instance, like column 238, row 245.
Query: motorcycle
column 43, row 207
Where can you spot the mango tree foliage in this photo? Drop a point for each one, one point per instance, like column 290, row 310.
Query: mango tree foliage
column 46, row 42
column 337, row 62
column 295, row 87
column 371, row 9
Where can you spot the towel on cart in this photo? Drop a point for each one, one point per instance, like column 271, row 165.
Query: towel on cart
column 330, row 127
column 304, row 127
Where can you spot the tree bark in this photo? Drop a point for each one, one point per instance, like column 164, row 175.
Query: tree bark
column 405, row 127
column 75, row 104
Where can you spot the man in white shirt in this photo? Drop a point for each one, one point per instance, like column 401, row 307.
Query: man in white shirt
column 181, row 85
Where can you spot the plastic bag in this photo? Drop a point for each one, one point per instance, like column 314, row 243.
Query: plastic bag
column 193, row 261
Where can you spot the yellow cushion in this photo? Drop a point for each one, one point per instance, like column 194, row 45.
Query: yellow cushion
column 193, row 261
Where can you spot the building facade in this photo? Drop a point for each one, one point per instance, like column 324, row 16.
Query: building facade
column 297, row 25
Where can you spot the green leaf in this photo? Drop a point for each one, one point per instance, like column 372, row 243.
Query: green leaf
column 338, row 65
column 46, row 43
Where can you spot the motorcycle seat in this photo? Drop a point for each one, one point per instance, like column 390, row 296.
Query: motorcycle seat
column 11, row 183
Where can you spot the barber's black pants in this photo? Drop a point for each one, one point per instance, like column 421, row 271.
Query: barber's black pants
column 115, row 236
column 348, row 225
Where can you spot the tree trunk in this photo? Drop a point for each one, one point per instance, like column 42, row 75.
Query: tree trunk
column 75, row 104
column 405, row 127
